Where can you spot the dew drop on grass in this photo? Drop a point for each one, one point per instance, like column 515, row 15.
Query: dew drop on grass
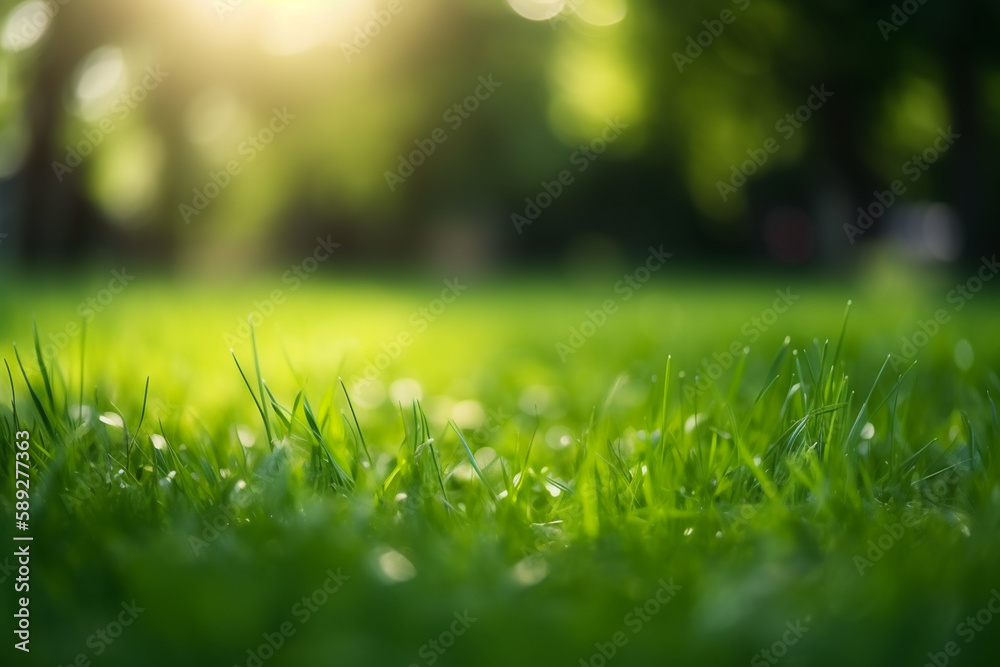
column 964, row 355
column 159, row 442
column 558, row 437
column 396, row 567
column 405, row 391
column 868, row 431
column 80, row 412
column 468, row 414
column 530, row 571
column 368, row 394
column 463, row 472
column 693, row 421
column 113, row 419
column 688, row 532
column 246, row 436
column 485, row 456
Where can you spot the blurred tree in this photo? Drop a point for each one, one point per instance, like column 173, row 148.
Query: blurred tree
column 189, row 165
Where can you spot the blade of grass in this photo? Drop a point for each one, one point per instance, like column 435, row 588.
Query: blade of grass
column 361, row 434
column 44, row 369
column 34, row 396
column 260, row 409
column 472, row 458
column 260, row 387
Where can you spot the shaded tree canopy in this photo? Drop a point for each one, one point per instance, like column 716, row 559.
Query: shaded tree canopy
column 752, row 127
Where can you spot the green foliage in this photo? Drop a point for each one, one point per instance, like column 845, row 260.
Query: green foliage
column 810, row 480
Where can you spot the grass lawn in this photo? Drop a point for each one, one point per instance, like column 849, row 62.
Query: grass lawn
column 706, row 473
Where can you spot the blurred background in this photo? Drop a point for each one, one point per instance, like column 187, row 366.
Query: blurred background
column 219, row 135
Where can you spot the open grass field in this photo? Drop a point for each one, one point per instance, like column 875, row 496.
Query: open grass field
column 689, row 471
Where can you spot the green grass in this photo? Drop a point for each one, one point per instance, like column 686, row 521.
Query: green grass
column 481, row 473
